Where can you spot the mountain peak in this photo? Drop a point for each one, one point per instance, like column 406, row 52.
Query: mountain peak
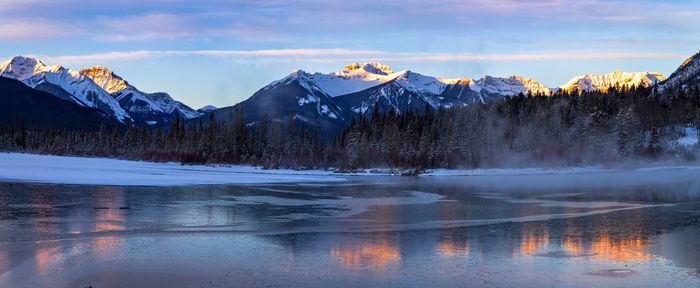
column 21, row 67
column 369, row 67
column 105, row 78
column 512, row 85
column 100, row 70
column 24, row 60
column 207, row 109
column 592, row 82
column 691, row 59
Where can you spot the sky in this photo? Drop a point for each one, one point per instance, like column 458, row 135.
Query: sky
column 220, row 52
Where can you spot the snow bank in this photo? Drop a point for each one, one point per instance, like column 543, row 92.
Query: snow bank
column 101, row 171
column 690, row 138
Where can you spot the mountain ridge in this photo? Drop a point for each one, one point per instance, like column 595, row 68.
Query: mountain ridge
column 84, row 91
column 688, row 71
column 324, row 99
column 98, row 87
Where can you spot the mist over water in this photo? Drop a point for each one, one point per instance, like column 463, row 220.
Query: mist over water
column 625, row 228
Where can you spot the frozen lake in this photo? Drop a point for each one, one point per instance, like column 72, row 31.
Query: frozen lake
column 638, row 229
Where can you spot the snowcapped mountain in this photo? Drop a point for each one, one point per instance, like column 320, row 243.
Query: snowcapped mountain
column 592, row 82
column 360, row 76
column 97, row 87
column 330, row 100
column 151, row 108
column 64, row 83
column 512, row 85
column 206, row 109
column 355, row 77
column 688, row 73
column 299, row 95
column 360, row 85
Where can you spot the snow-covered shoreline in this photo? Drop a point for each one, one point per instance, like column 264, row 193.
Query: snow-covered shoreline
column 18, row 167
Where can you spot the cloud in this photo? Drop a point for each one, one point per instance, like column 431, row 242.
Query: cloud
column 35, row 30
column 348, row 55
column 292, row 21
column 100, row 57
column 146, row 54
column 169, row 26
column 573, row 55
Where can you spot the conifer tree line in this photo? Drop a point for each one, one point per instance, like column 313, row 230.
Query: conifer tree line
column 565, row 129
column 524, row 130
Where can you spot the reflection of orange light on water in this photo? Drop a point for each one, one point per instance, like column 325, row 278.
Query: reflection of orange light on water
column 374, row 256
column 620, row 250
column 453, row 248
column 106, row 226
column 532, row 240
column 607, row 248
column 103, row 247
column 110, row 219
column 573, row 246
column 44, row 257
column 531, row 243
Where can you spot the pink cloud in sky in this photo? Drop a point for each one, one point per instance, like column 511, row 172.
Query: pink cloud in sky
column 326, row 55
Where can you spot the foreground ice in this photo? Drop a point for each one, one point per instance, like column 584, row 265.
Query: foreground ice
column 371, row 232
column 102, row 171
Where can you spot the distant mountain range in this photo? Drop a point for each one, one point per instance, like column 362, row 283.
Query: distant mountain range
column 328, row 101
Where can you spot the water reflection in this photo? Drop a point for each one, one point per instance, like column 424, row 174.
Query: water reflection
column 375, row 254
column 453, row 247
column 57, row 224
column 102, row 248
column 99, row 213
column 533, row 238
column 619, row 250
column 44, row 257
column 608, row 248
column 109, row 215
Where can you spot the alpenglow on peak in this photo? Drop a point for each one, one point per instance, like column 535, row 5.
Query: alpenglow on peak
column 105, row 78
column 371, row 67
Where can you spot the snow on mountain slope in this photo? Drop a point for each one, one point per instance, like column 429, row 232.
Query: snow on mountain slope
column 423, row 84
column 55, row 78
column 21, row 68
column 310, row 98
column 687, row 73
column 361, row 86
column 391, row 95
column 355, row 77
column 360, row 76
column 512, row 85
column 145, row 105
column 591, row 82
column 171, row 105
column 296, row 95
column 207, row 109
